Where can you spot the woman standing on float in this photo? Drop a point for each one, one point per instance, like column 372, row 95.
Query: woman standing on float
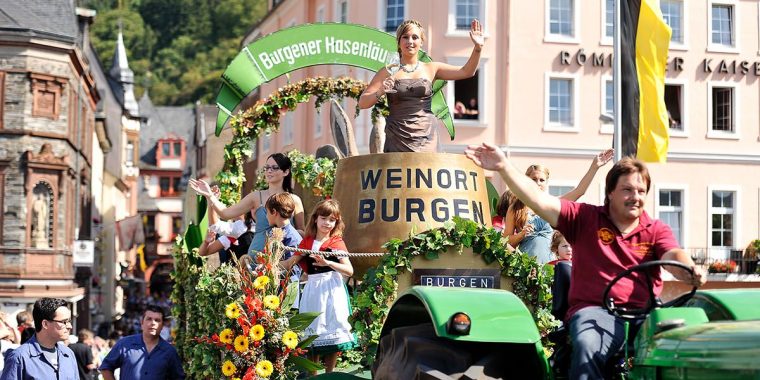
column 411, row 125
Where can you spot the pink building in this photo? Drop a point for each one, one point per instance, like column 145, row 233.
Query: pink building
column 545, row 79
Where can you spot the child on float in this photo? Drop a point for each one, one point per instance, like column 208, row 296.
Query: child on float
column 562, row 267
column 227, row 238
column 325, row 292
column 561, row 249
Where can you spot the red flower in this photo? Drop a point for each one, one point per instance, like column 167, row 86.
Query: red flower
column 215, row 338
column 249, row 374
column 249, row 303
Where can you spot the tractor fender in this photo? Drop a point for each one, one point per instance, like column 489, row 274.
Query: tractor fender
column 496, row 315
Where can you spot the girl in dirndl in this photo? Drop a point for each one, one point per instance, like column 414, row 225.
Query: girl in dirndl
column 325, row 292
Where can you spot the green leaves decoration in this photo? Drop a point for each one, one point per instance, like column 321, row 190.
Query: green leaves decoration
column 532, row 281
column 263, row 118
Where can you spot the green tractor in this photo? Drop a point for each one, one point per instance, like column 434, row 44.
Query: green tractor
column 468, row 333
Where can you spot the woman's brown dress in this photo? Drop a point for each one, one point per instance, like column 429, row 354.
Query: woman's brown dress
column 411, row 125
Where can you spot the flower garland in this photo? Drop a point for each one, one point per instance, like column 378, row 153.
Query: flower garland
column 532, row 281
column 263, row 118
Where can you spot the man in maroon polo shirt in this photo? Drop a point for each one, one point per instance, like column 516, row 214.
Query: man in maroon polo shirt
column 607, row 240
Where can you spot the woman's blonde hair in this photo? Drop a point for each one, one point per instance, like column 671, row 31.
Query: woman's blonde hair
column 403, row 28
column 540, row 168
column 327, row 207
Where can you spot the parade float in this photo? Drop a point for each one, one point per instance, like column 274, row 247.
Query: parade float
column 438, row 293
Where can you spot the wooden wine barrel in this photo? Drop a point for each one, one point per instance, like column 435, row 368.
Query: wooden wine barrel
column 388, row 195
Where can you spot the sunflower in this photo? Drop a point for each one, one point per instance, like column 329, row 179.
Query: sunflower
column 257, row 333
column 290, row 339
column 232, row 311
column 228, row 369
column 226, row 336
column 271, row 302
column 264, row 368
column 261, row 282
column 241, row 343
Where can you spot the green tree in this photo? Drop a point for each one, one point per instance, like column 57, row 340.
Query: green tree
column 183, row 46
column 138, row 40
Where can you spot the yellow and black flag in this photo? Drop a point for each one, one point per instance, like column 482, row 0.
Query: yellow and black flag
column 645, row 38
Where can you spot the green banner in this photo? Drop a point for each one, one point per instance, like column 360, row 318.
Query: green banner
column 307, row 45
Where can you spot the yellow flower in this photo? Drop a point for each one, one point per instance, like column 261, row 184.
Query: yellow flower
column 228, row 369
column 232, row 311
column 290, row 339
column 257, row 333
column 261, row 282
column 271, row 302
column 241, row 344
column 264, row 368
column 226, row 336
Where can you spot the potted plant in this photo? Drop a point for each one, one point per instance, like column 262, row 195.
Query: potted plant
column 728, row 266
column 751, row 255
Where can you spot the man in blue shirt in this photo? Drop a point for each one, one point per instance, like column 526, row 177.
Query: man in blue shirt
column 144, row 356
column 44, row 356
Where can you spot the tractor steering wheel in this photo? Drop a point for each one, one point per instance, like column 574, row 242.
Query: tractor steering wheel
column 654, row 301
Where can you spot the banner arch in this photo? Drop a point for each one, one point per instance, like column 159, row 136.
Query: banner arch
column 308, row 45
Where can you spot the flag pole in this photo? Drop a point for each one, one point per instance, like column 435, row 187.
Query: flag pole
column 617, row 136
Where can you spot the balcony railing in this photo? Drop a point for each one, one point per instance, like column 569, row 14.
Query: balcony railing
column 708, row 256
column 31, row 263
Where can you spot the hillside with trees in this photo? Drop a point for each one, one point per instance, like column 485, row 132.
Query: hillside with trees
column 178, row 49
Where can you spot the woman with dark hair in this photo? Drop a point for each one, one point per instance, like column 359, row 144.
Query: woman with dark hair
column 411, row 125
column 279, row 178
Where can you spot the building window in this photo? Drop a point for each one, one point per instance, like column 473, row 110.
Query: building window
column 169, row 186
column 129, row 154
column 672, row 12
column 722, row 25
column 288, row 124
column 609, row 18
column 723, row 109
column 149, row 225
column 318, row 125
column 466, row 98
column 722, row 218
column 466, row 11
column 177, row 149
column 166, row 149
column 46, row 96
column 176, row 226
column 609, row 98
column 561, row 101
column 165, row 184
column 559, row 190
column 674, row 104
column 561, row 16
column 394, row 14
column 343, row 11
column 321, row 14
column 670, row 211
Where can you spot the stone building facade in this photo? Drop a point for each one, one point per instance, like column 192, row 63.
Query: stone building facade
column 47, row 117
